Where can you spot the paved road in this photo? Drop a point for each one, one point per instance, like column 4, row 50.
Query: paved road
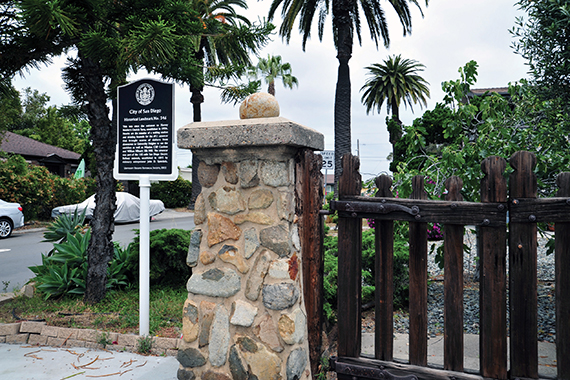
column 24, row 248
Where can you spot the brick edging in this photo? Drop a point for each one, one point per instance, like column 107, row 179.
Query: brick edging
column 39, row 333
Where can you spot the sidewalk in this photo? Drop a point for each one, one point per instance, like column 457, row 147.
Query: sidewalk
column 546, row 352
column 25, row 362
column 19, row 362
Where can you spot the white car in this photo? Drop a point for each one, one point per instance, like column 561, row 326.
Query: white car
column 128, row 208
column 11, row 216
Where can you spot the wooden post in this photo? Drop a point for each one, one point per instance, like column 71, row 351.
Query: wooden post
column 418, row 282
column 384, row 281
column 453, row 283
column 492, row 243
column 350, row 264
column 522, row 272
column 562, row 249
column 311, row 234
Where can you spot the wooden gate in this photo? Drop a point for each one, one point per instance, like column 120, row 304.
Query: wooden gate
column 524, row 212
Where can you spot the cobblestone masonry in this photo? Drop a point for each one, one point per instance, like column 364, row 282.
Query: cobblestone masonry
column 245, row 316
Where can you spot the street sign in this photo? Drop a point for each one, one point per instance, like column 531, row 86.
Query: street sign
column 328, row 159
column 145, row 135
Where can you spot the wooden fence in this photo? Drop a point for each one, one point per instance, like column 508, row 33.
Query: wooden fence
column 524, row 212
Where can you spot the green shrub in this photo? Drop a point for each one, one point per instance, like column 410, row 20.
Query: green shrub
column 38, row 190
column 333, row 218
column 330, row 280
column 168, row 251
column 64, row 271
column 172, row 193
column 400, row 269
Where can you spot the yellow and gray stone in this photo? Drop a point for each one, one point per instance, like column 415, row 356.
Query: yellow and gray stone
column 194, row 248
column 208, row 174
column 279, row 269
column 185, row 373
column 292, row 326
column 258, row 217
column 214, row 375
column 229, row 170
column 266, row 331
column 206, row 317
column 227, row 200
column 260, row 199
column 251, row 242
column 280, row 296
column 199, row 210
column 247, row 173
column 215, row 282
column 231, row 255
column 276, row 238
column 274, row 173
column 257, row 275
column 296, row 364
column 191, row 357
column 221, row 229
column 207, row 257
column 243, row 313
column 264, row 364
column 286, row 205
column 190, row 326
column 238, row 365
column 219, row 337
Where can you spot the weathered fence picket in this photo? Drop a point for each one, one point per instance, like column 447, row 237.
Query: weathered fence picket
column 418, row 285
column 490, row 217
column 492, row 285
column 522, row 271
column 453, row 284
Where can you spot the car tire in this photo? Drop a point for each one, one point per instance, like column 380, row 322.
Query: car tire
column 6, row 228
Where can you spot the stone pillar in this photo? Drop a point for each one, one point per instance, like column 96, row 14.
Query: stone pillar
column 245, row 316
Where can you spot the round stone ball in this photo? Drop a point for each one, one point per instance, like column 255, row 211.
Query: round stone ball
column 260, row 104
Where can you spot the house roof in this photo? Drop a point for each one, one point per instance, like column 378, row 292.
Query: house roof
column 25, row 146
column 504, row 91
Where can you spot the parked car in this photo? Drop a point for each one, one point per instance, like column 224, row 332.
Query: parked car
column 128, row 208
column 11, row 216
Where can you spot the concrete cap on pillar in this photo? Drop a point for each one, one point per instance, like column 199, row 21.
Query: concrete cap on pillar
column 249, row 133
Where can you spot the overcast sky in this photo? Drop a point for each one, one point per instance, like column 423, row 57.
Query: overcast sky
column 452, row 33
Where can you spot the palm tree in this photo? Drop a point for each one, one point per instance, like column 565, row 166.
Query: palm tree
column 346, row 16
column 395, row 80
column 271, row 69
column 214, row 49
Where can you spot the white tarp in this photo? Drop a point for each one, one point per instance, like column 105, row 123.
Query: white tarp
column 128, row 208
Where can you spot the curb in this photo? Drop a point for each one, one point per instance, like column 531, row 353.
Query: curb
column 40, row 334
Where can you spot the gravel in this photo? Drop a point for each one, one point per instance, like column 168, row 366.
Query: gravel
column 546, row 292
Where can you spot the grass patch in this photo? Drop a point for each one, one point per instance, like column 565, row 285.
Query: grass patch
column 118, row 312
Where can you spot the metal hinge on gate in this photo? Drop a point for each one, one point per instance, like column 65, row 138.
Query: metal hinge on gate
column 358, row 371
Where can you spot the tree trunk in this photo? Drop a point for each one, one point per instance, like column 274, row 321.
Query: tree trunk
column 395, row 131
column 271, row 88
column 197, row 99
column 104, row 136
column 342, row 140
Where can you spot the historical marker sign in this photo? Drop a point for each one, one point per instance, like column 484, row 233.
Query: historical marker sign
column 146, row 131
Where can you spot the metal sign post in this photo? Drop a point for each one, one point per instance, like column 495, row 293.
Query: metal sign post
column 145, row 152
